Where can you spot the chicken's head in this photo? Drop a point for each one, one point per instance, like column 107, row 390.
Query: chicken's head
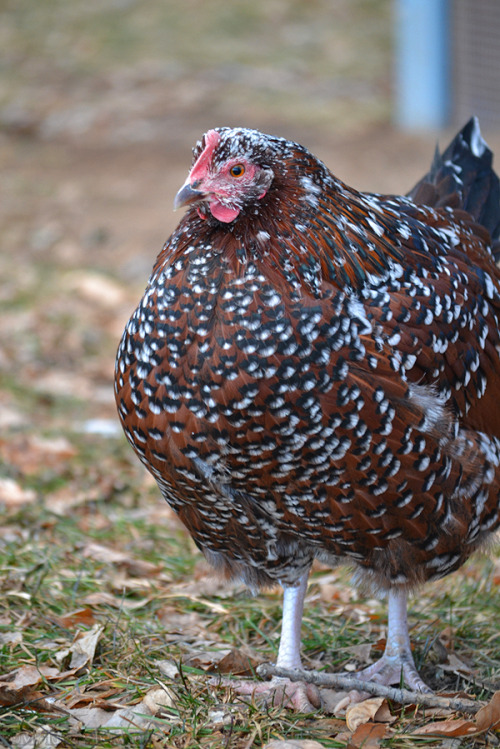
column 228, row 174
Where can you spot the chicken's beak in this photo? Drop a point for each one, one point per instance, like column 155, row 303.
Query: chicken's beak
column 187, row 194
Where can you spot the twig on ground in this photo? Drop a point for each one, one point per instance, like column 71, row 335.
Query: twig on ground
column 403, row 696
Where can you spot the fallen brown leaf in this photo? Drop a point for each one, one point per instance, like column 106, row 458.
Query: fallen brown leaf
column 97, row 289
column 33, row 453
column 95, row 697
column 103, row 598
column 81, row 616
column 368, row 710
column 90, row 717
column 458, row 727
column 205, row 660
column 368, row 736
column 294, row 744
column 44, row 737
column 488, row 717
column 188, row 624
column 18, row 687
column 138, row 716
column 236, row 662
column 384, row 715
column 157, row 698
column 330, row 701
column 135, row 567
column 11, row 638
column 455, row 664
column 361, row 652
column 447, row 637
column 82, row 650
column 27, row 676
column 168, row 668
column 13, row 495
column 63, row 500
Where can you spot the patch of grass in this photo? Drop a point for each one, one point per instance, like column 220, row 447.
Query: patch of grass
column 177, row 616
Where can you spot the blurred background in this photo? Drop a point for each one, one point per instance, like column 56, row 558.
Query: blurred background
column 100, row 104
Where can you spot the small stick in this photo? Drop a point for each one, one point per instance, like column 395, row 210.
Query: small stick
column 403, row 696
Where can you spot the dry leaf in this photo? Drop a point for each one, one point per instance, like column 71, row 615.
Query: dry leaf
column 489, row 716
column 90, row 717
column 13, row 495
column 11, row 638
column 221, row 716
column 236, row 662
column 135, row 567
column 127, row 718
column 384, row 715
column 98, row 289
column 362, row 712
column 368, row 735
column 294, row 744
column 103, row 598
column 82, row 650
column 26, row 676
column 102, row 553
column 44, row 737
column 60, row 382
column 205, row 660
column 80, row 616
column 447, row 637
column 186, row 625
column 455, row 664
column 18, row 686
column 61, row 501
column 331, row 699
column 157, row 698
column 361, row 652
column 167, row 668
column 32, row 454
column 139, row 716
column 459, row 727
column 94, row 697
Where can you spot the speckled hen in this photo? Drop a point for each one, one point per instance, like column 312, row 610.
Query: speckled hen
column 313, row 372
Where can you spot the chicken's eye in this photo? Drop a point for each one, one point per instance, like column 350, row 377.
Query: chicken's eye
column 238, row 170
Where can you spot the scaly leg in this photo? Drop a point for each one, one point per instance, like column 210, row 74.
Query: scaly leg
column 291, row 622
column 397, row 658
column 303, row 697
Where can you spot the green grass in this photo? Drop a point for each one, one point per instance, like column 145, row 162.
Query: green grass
column 176, row 614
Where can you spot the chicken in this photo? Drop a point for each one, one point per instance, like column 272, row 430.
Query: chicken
column 312, row 373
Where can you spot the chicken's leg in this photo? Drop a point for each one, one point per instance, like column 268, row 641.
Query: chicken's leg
column 303, row 697
column 293, row 607
column 397, row 659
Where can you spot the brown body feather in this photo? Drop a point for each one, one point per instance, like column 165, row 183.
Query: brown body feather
column 318, row 377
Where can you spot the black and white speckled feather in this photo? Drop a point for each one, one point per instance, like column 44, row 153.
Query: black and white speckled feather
column 312, row 371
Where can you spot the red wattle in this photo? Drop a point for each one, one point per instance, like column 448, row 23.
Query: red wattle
column 223, row 212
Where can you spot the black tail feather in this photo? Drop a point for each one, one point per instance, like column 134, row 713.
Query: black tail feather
column 463, row 177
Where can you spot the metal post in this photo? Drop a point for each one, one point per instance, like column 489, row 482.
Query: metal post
column 423, row 93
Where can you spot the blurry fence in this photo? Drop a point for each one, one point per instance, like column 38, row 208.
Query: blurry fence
column 476, row 60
